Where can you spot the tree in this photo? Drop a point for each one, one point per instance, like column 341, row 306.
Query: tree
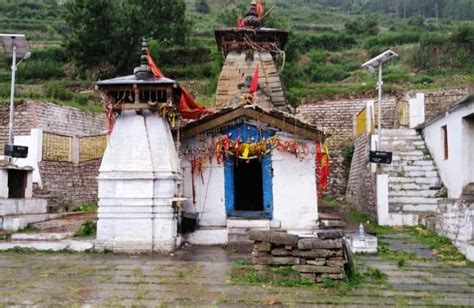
column 105, row 35
column 202, row 7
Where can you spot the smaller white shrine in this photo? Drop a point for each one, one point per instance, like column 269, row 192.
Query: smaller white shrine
column 139, row 178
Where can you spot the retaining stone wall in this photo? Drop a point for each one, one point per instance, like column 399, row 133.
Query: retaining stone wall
column 440, row 100
column 337, row 118
column 361, row 187
column 454, row 218
column 316, row 258
column 64, row 184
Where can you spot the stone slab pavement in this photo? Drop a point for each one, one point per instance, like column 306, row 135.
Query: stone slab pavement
column 200, row 277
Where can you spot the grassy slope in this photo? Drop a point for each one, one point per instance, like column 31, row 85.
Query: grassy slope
column 44, row 28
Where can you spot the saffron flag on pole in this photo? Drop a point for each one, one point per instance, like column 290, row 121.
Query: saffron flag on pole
column 259, row 8
column 254, row 83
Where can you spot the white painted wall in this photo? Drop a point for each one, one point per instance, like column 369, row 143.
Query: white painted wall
column 210, row 195
column 457, row 170
column 294, row 191
column 416, row 107
column 34, row 142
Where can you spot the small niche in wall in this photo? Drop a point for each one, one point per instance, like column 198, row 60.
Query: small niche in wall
column 17, row 181
column 444, row 136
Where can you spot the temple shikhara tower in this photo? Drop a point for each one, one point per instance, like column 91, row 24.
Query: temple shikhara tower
column 245, row 48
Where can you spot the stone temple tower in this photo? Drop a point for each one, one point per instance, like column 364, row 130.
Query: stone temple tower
column 244, row 48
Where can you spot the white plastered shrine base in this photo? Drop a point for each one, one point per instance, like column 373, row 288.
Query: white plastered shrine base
column 138, row 179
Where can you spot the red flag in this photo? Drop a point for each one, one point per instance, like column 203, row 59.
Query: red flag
column 154, row 68
column 188, row 107
column 254, row 84
column 259, row 8
column 240, row 23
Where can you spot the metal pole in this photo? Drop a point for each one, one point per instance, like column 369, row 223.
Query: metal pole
column 380, row 84
column 12, row 98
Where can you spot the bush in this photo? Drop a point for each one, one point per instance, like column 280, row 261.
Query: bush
column 392, row 39
column 57, row 90
column 50, row 53
column 88, row 228
column 366, row 25
column 328, row 41
column 202, row 7
column 40, row 69
column 464, row 35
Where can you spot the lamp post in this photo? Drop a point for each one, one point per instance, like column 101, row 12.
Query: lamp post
column 373, row 63
column 14, row 46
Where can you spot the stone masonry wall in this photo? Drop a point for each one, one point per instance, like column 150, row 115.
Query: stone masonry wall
column 337, row 117
column 455, row 220
column 65, row 184
column 440, row 100
column 24, row 121
column 361, row 186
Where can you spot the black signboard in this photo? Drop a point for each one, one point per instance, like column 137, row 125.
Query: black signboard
column 16, row 151
column 380, row 157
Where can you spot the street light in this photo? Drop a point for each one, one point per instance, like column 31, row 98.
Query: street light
column 15, row 47
column 373, row 63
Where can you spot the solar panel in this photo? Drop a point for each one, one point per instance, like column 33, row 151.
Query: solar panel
column 18, row 40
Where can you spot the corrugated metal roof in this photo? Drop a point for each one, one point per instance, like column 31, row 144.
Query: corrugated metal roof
column 131, row 79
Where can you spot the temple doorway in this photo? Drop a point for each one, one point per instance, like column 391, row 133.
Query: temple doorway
column 248, row 185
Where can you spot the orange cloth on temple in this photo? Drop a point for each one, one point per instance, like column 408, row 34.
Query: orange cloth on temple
column 188, row 107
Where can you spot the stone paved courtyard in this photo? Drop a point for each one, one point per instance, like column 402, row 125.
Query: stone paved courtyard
column 201, row 277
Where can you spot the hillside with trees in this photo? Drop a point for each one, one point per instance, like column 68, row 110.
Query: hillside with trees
column 76, row 42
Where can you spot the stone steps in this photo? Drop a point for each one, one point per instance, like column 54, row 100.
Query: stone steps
column 16, row 222
column 238, row 230
column 425, row 193
column 413, row 178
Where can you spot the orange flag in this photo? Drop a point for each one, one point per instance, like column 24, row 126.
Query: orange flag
column 259, row 8
column 254, row 84
column 154, row 68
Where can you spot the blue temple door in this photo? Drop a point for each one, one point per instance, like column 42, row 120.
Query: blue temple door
column 263, row 195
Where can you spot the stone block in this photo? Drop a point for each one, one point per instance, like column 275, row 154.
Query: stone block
column 283, row 261
column 259, row 254
column 317, row 269
column 313, row 253
column 317, row 262
column 281, row 252
column 336, row 263
column 263, row 246
column 260, row 260
column 316, row 243
column 278, row 238
column 330, row 235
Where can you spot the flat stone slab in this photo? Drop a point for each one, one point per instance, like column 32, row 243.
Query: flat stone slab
column 277, row 238
column 316, row 243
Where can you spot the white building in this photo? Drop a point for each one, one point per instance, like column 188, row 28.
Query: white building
column 245, row 168
column 450, row 139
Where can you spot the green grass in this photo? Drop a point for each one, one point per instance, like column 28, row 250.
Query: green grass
column 243, row 273
column 88, row 229
column 86, row 207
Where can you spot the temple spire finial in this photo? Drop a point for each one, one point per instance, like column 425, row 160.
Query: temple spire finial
column 143, row 71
